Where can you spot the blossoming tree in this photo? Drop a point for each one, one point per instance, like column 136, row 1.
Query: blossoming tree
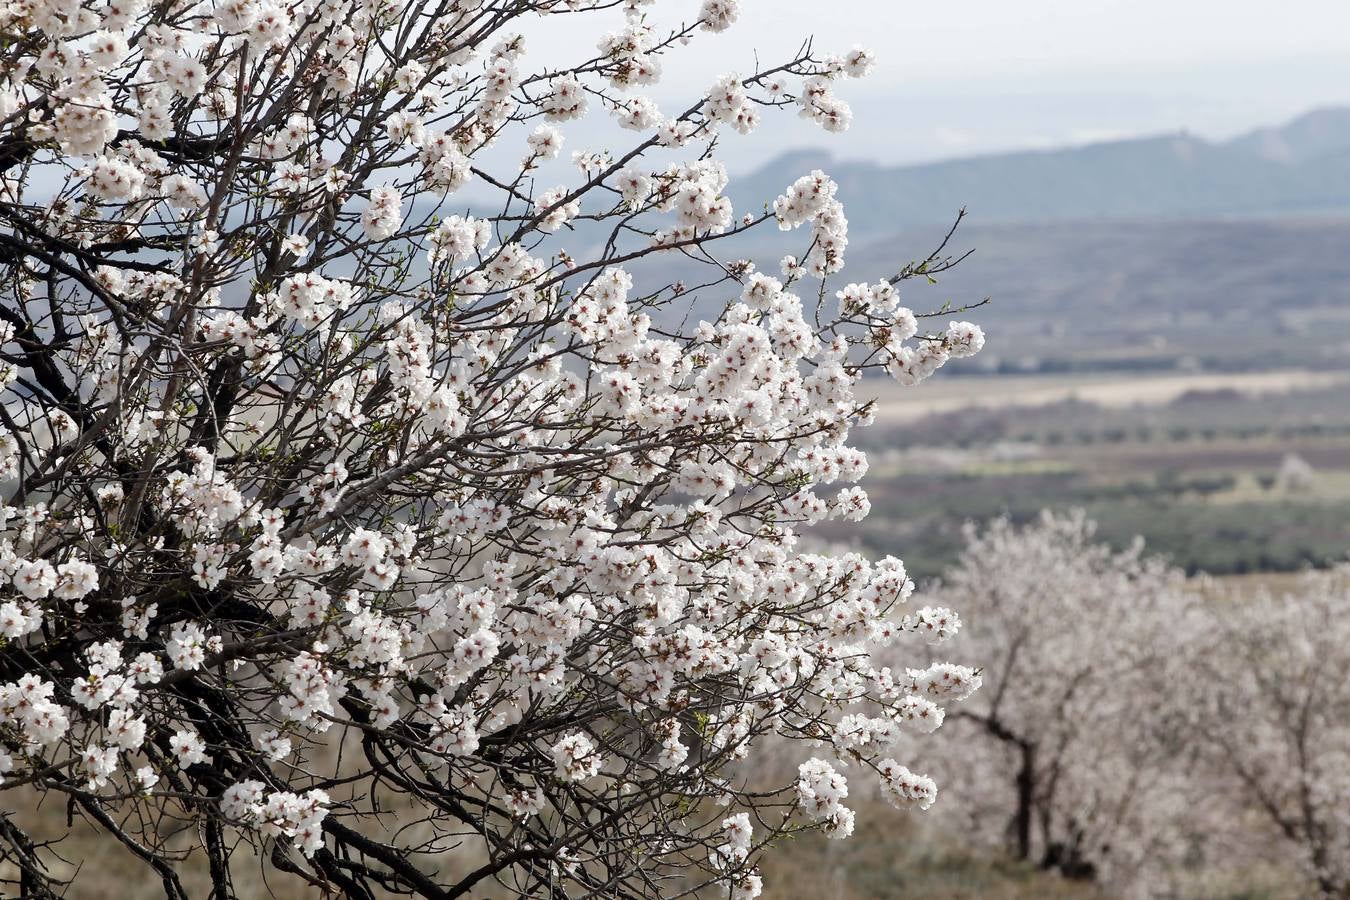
column 355, row 512
column 1077, row 745
column 1276, row 718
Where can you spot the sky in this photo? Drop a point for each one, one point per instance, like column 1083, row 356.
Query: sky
column 981, row 76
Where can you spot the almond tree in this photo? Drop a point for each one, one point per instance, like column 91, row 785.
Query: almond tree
column 366, row 500
column 1077, row 745
column 1276, row 718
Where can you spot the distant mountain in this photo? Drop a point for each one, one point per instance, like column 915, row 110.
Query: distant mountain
column 1317, row 133
column 1301, row 168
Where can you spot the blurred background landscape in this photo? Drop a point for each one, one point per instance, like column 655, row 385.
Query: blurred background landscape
column 1158, row 209
column 1169, row 343
column 1169, row 350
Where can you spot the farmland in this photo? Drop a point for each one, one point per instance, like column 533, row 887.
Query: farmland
column 1226, row 474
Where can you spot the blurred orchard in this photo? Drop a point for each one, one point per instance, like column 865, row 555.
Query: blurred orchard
column 1144, row 734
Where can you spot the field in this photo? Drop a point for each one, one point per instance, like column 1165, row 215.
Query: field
column 1108, row 391
column 1225, row 474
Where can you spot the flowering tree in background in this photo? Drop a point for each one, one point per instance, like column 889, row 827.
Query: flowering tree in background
column 1277, row 717
column 356, row 527
column 1075, row 745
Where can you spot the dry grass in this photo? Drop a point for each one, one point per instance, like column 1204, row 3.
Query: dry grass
column 891, row 857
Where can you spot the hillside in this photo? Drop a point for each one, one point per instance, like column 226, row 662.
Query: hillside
column 1213, row 296
column 1300, row 168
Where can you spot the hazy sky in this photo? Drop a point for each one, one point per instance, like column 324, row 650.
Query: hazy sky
column 983, row 74
column 957, row 78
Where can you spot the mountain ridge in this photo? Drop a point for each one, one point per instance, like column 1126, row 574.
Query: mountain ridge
column 1299, row 168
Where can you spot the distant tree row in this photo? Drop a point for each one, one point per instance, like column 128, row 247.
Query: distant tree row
column 1139, row 729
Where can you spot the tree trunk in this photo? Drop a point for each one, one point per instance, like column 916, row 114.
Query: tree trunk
column 1026, row 793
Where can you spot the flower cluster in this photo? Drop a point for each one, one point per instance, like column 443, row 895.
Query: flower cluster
column 382, row 218
column 575, row 758
column 297, row 816
column 811, row 198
